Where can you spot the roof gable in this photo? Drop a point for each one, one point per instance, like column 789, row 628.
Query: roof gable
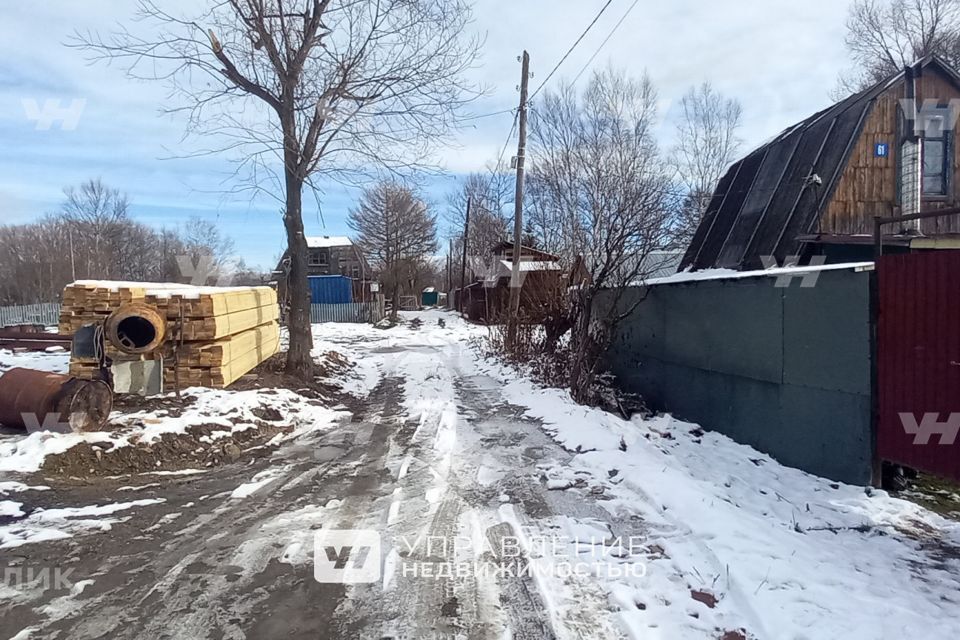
column 778, row 191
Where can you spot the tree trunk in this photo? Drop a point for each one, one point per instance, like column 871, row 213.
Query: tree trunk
column 396, row 303
column 581, row 367
column 299, row 360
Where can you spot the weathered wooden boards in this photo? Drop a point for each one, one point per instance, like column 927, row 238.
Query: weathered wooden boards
column 213, row 335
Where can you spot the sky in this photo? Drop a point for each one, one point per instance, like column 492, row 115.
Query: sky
column 780, row 58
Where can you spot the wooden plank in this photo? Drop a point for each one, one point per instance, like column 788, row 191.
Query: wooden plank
column 195, row 302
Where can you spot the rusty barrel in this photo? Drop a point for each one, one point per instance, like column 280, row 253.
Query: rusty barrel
column 42, row 401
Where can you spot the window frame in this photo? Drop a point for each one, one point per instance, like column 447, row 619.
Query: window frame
column 945, row 138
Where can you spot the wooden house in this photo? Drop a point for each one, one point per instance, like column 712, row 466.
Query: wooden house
column 542, row 280
column 815, row 189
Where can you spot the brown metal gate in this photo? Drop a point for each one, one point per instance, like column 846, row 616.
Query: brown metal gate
column 918, row 361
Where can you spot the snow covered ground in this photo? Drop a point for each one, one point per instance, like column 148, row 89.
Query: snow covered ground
column 637, row 529
column 785, row 554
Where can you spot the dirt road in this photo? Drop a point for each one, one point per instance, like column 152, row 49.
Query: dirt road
column 434, row 461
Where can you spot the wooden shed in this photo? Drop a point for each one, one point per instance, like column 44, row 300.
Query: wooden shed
column 816, row 187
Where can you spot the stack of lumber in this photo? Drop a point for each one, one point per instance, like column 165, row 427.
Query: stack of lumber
column 213, row 335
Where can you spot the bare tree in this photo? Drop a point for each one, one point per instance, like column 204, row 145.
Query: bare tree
column 489, row 193
column 92, row 237
column 601, row 196
column 706, row 145
column 204, row 242
column 302, row 89
column 396, row 233
column 95, row 213
column 884, row 36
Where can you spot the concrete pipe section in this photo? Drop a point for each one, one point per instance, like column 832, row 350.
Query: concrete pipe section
column 136, row 328
column 42, row 401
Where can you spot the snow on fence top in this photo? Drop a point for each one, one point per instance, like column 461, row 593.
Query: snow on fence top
column 730, row 274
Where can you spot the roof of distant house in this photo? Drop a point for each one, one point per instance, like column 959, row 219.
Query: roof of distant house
column 501, row 247
column 322, row 242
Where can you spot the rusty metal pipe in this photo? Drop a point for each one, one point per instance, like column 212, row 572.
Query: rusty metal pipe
column 42, row 401
column 136, row 328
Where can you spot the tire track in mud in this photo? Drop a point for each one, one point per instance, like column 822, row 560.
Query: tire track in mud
column 519, row 443
column 422, row 507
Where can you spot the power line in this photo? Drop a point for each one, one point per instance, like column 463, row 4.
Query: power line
column 507, row 141
column 607, row 39
column 570, row 50
column 487, row 115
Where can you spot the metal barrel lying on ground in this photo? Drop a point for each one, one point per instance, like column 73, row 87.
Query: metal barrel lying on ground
column 38, row 400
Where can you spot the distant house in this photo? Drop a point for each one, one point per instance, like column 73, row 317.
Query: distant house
column 331, row 256
column 815, row 188
column 542, row 280
column 335, row 255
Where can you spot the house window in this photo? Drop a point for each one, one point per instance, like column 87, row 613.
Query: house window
column 354, row 271
column 322, row 260
column 313, row 259
column 937, row 156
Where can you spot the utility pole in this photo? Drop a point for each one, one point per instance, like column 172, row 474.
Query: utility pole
column 73, row 260
column 463, row 263
column 449, row 272
column 513, row 315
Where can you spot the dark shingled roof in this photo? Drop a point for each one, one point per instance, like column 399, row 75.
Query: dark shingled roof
column 768, row 198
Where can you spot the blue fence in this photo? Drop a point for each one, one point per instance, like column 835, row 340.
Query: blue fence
column 358, row 312
column 330, row 289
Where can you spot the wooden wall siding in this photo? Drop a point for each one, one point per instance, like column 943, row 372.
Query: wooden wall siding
column 868, row 185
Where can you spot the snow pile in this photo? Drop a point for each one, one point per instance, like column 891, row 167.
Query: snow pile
column 233, row 411
column 258, row 481
column 55, row 524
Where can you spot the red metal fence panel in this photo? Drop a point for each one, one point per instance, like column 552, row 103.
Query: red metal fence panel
column 918, row 360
